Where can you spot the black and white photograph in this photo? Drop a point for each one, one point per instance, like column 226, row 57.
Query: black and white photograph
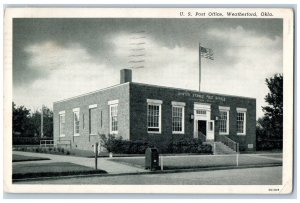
column 187, row 100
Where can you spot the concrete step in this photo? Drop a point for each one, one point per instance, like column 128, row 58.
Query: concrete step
column 220, row 148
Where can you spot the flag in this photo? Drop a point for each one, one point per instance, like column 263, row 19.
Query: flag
column 206, row 53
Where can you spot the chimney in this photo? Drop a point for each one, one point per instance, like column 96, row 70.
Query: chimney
column 126, row 76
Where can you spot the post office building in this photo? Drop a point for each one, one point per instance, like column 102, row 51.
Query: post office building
column 155, row 114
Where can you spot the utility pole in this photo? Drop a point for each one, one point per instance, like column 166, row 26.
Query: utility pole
column 96, row 155
column 42, row 122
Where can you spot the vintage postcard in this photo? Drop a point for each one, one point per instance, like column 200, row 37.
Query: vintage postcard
column 148, row 100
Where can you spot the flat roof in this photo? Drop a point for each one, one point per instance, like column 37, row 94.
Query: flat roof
column 182, row 89
column 150, row 85
column 93, row 92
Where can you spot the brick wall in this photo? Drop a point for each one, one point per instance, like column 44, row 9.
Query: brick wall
column 134, row 127
column 139, row 93
column 101, row 98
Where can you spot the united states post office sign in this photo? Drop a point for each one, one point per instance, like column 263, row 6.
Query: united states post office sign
column 203, row 97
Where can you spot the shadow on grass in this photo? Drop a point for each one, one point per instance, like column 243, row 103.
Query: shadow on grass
column 20, row 158
column 33, row 170
column 52, row 174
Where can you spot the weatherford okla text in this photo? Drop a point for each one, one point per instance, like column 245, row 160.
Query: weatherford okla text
column 233, row 14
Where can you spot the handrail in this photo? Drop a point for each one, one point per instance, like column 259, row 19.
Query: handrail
column 64, row 143
column 229, row 143
column 201, row 136
column 46, row 143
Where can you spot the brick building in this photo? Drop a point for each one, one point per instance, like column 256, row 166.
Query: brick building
column 154, row 113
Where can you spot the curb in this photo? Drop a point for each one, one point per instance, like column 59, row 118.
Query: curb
column 150, row 172
column 26, row 160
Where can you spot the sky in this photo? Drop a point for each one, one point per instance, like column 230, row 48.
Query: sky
column 55, row 59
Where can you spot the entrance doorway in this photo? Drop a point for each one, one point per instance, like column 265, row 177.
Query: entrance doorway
column 202, row 130
column 203, row 125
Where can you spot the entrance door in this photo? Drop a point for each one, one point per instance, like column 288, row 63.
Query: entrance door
column 210, row 130
column 202, row 130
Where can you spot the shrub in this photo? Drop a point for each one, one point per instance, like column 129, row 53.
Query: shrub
column 49, row 150
column 138, row 147
column 181, row 146
column 21, row 149
column 267, row 144
column 21, row 140
column 118, row 145
column 189, row 146
column 206, row 148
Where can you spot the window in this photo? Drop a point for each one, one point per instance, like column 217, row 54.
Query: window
column 223, row 128
column 76, row 121
column 113, row 116
column 211, row 125
column 224, row 120
column 114, row 119
column 93, row 119
column 241, row 121
column 154, row 116
column 200, row 112
column 62, row 123
column 178, row 117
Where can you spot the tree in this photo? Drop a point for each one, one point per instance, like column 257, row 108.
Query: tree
column 269, row 129
column 21, row 120
column 35, row 123
column 27, row 124
column 274, row 111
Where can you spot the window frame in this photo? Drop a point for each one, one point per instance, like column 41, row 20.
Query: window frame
column 224, row 109
column 158, row 103
column 243, row 111
column 76, row 110
column 180, row 105
column 62, row 113
column 113, row 103
column 93, row 106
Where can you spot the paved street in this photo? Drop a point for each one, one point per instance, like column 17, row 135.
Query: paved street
column 248, row 176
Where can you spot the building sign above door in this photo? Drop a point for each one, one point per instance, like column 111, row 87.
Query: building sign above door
column 203, row 97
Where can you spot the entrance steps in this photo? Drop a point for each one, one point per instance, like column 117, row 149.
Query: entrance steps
column 220, row 148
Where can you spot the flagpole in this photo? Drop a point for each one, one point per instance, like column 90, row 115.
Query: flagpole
column 199, row 67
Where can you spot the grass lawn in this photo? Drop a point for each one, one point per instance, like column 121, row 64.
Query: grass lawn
column 34, row 170
column 91, row 154
column 184, row 162
column 272, row 155
column 73, row 152
column 19, row 158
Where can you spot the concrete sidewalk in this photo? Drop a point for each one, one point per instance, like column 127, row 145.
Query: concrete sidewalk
column 103, row 163
column 120, row 168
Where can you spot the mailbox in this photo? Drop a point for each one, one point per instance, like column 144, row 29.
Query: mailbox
column 151, row 159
